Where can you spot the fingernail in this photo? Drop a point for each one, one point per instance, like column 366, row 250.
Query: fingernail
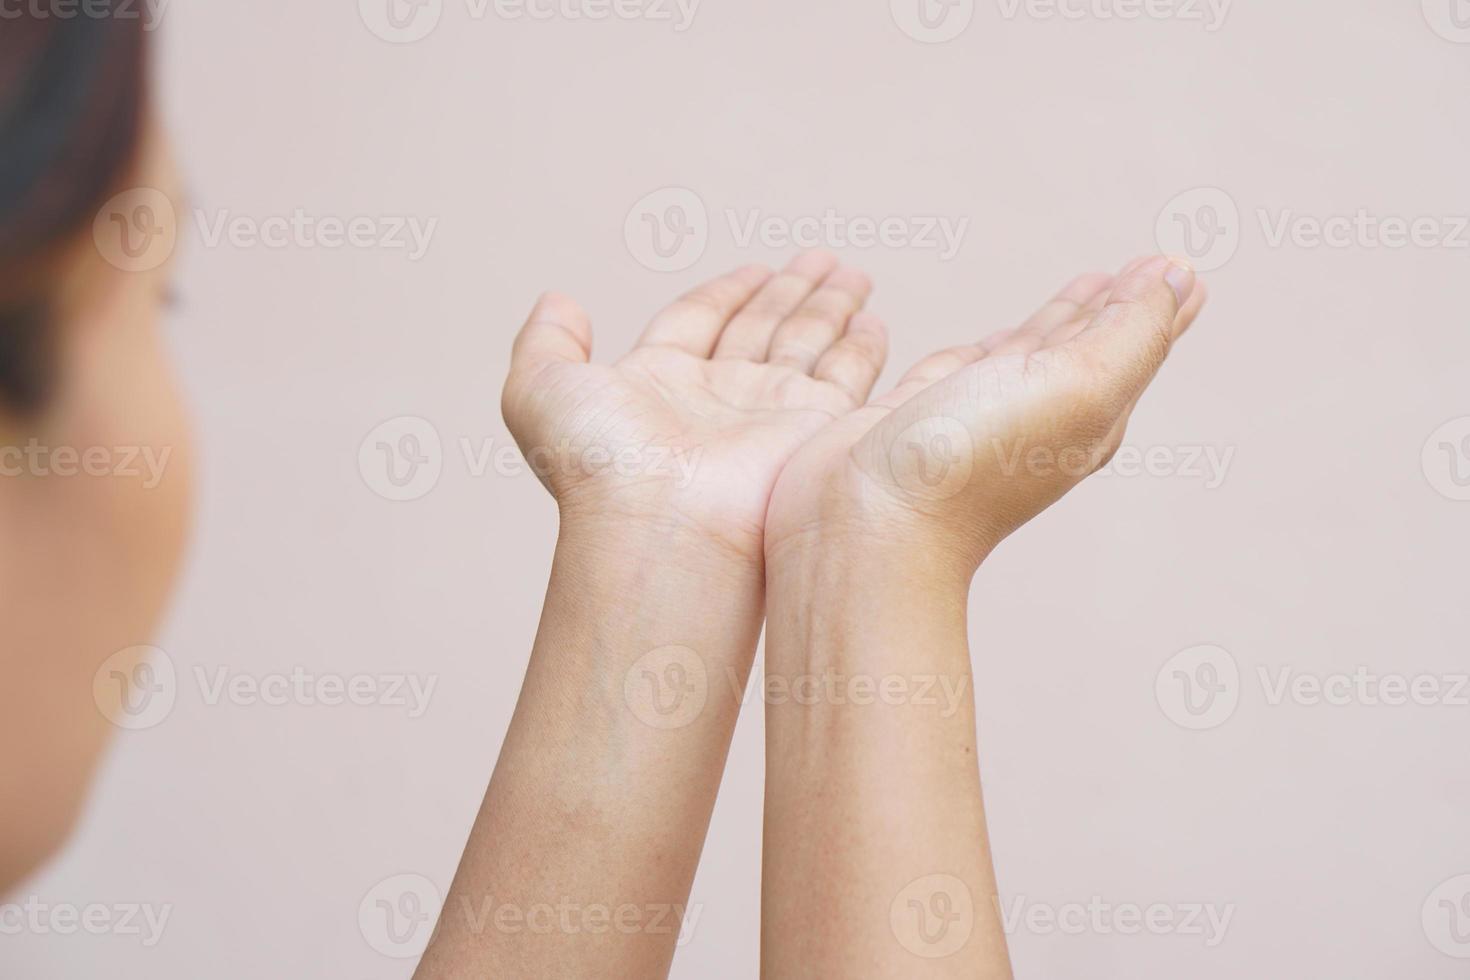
column 1180, row 277
column 546, row 305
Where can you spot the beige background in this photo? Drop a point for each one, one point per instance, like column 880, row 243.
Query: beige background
column 1326, row 549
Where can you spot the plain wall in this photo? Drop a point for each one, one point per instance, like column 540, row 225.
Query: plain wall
column 1333, row 544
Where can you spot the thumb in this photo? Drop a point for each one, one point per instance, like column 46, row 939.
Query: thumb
column 1128, row 340
column 558, row 329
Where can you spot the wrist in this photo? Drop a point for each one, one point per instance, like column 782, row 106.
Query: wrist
column 661, row 575
column 841, row 513
column 903, row 555
column 854, row 608
column 617, row 535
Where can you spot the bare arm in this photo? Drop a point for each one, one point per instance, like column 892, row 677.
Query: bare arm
column 876, row 856
column 582, row 857
column 585, row 849
column 877, row 861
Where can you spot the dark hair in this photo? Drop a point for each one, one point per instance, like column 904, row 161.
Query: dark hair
column 72, row 96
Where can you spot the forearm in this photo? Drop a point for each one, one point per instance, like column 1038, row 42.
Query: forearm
column 876, row 857
column 582, row 857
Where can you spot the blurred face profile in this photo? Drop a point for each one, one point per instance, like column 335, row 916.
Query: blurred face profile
column 94, row 461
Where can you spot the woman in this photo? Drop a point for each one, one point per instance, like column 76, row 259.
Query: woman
column 91, row 541
column 855, row 525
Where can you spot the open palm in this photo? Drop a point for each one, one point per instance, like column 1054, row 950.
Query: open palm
column 696, row 422
column 978, row 439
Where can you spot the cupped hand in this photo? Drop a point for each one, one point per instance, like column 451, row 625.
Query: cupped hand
column 979, row 439
column 693, row 426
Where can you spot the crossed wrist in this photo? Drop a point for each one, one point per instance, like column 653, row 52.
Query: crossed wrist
column 664, row 547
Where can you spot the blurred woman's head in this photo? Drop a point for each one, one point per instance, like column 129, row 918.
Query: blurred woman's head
column 93, row 460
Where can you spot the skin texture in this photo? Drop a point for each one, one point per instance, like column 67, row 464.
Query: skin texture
column 109, row 545
column 867, row 524
column 877, row 861
column 609, row 770
column 732, row 378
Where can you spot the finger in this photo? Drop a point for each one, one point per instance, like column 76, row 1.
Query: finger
column 942, row 364
column 1191, row 310
column 558, row 329
column 855, row 361
column 932, row 369
column 694, row 321
column 748, row 334
column 803, row 337
column 1187, row 315
column 1182, row 322
column 992, row 341
column 1094, row 305
column 1059, row 310
column 1134, row 264
column 1132, row 334
column 1090, row 309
